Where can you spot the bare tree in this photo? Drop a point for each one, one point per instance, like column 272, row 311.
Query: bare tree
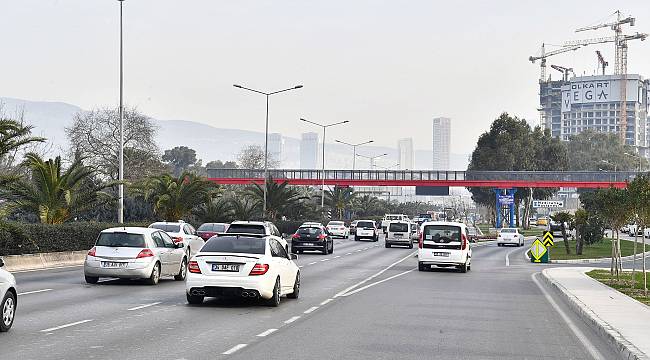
column 94, row 135
column 252, row 157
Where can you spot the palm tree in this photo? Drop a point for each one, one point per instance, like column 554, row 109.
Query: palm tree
column 54, row 194
column 279, row 197
column 174, row 198
column 216, row 210
column 14, row 135
column 340, row 199
column 243, row 208
column 365, row 205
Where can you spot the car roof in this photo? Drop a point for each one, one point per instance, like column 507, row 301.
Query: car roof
column 131, row 230
column 448, row 223
column 246, row 222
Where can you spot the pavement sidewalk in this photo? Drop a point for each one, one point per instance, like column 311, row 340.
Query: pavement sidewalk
column 623, row 321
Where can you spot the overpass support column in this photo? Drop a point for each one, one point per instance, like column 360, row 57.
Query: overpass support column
column 512, row 208
column 497, row 208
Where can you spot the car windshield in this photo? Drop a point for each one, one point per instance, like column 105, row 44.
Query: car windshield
column 235, row 244
column 442, row 233
column 508, row 231
column 246, row 229
column 365, row 224
column 309, row 231
column 398, row 227
column 166, row 227
column 121, row 239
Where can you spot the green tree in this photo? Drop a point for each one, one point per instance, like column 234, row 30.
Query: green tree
column 174, row 198
column 13, row 136
column 216, row 210
column 180, row 158
column 53, row 193
column 565, row 219
column 339, row 199
column 218, row 164
column 365, row 205
column 639, row 195
column 591, row 151
column 279, row 197
column 244, row 208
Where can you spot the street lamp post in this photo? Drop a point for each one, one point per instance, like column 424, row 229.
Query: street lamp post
column 120, row 186
column 372, row 159
column 266, row 133
column 354, row 150
column 322, row 198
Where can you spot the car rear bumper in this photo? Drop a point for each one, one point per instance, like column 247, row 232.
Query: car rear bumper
column 302, row 246
column 214, row 286
column 399, row 241
column 341, row 233
column 133, row 271
column 508, row 241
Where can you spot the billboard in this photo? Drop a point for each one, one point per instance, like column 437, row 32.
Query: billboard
column 548, row 204
column 432, row 190
column 594, row 90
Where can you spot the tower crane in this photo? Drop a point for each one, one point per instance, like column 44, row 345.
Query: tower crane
column 543, row 55
column 601, row 61
column 620, row 61
column 564, row 70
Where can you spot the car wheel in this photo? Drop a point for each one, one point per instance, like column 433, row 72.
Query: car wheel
column 296, row 288
column 411, row 245
column 182, row 272
column 155, row 275
column 8, row 308
column 420, row 266
column 356, row 238
column 91, row 279
column 194, row 299
column 274, row 301
column 387, row 245
column 463, row 268
column 325, row 250
column 499, row 245
column 332, row 248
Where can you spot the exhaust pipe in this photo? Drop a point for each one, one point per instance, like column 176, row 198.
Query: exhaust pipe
column 250, row 294
column 198, row 292
column 244, row 294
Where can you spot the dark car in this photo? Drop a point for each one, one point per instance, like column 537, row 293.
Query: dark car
column 312, row 237
column 472, row 234
column 555, row 226
column 208, row 230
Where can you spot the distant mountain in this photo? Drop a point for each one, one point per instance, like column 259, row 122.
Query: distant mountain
column 50, row 119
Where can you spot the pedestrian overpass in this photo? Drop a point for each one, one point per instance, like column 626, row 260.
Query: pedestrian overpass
column 488, row 179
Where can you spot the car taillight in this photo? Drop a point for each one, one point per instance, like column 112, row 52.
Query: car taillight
column 144, row 253
column 259, row 269
column 421, row 241
column 295, row 236
column 463, row 245
column 193, row 267
column 322, row 236
column 177, row 239
column 92, row 251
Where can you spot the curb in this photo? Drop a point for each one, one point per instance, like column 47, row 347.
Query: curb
column 592, row 261
column 626, row 349
column 44, row 260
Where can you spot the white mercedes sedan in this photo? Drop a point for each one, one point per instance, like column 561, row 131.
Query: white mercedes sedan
column 244, row 266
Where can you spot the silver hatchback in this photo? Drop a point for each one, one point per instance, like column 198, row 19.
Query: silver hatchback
column 135, row 253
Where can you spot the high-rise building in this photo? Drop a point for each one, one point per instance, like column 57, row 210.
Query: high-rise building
column 594, row 103
column 405, row 153
column 276, row 147
column 441, row 143
column 309, row 150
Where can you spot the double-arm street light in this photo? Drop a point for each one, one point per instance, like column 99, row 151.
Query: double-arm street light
column 372, row 159
column 354, row 150
column 120, row 175
column 390, row 167
column 266, row 133
column 324, row 126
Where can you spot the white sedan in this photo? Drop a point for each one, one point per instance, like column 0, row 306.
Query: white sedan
column 510, row 236
column 9, row 296
column 245, row 266
column 338, row 228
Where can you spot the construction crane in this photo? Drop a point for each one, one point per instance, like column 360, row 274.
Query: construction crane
column 564, row 70
column 601, row 61
column 543, row 55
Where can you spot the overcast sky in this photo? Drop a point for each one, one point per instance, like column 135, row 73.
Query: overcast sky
column 388, row 67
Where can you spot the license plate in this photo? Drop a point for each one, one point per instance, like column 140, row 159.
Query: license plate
column 225, row 267
column 110, row 264
column 308, row 244
column 398, row 235
column 445, row 254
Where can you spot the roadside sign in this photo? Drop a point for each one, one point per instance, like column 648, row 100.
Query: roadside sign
column 538, row 252
column 548, row 239
column 548, row 203
column 506, row 199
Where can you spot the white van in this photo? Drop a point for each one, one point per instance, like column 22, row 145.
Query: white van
column 392, row 217
column 399, row 233
column 444, row 244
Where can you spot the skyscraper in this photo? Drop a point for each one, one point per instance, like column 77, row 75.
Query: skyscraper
column 441, row 143
column 276, row 147
column 309, row 150
column 405, row 153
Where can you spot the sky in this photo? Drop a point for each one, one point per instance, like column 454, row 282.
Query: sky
column 388, row 67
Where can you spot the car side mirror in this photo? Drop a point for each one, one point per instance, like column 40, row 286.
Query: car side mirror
column 2, row 262
column 294, row 257
column 179, row 245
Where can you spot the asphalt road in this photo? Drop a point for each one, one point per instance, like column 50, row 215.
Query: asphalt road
column 361, row 302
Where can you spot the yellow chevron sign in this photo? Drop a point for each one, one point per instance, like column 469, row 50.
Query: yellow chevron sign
column 548, row 239
column 537, row 250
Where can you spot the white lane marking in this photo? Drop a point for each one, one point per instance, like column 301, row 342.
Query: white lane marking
column 358, row 250
column 292, row 320
column 66, row 325
column 234, row 349
column 324, row 260
column 326, row 302
column 376, row 283
column 595, row 354
column 508, row 255
column 337, row 256
column 375, row 275
column 267, row 332
column 348, row 254
column 34, row 292
column 310, row 310
column 143, row 306
column 300, row 266
column 46, row 269
column 365, row 248
column 312, row 263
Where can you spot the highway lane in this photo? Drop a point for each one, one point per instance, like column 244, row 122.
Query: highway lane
column 493, row 312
